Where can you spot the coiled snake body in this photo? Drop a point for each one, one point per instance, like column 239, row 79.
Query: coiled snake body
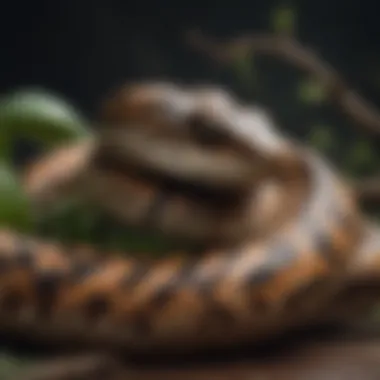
column 282, row 230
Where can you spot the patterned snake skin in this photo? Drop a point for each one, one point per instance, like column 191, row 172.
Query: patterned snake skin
column 282, row 232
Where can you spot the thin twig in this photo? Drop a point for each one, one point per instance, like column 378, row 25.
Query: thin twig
column 292, row 52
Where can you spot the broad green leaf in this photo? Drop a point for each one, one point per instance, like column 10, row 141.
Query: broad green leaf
column 11, row 365
column 39, row 115
column 322, row 138
column 5, row 147
column 14, row 206
column 283, row 20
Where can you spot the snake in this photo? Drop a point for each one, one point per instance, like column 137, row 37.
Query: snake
column 282, row 235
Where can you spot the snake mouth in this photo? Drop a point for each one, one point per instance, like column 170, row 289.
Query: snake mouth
column 179, row 159
column 65, row 211
column 167, row 185
column 186, row 213
column 76, row 220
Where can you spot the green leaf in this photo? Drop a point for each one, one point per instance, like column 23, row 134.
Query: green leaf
column 283, row 20
column 360, row 156
column 41, row 116
column 5, row 148
column 311, row 91
column 10, row 365
column 322, row 138
column 14, row 206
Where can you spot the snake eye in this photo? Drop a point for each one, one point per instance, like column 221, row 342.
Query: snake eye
column 205, row 132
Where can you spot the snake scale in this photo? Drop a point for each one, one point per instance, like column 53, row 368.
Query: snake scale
column 282, row 233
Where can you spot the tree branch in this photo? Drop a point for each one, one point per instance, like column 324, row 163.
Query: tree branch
column 290, row 51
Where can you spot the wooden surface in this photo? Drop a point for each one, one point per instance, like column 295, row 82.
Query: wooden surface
column 352, row 355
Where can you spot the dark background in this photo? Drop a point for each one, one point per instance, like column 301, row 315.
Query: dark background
column 83, row 49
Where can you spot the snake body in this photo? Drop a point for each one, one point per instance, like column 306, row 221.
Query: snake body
column 194, row 163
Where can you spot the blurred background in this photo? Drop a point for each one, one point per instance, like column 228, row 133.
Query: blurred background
column 83, row 50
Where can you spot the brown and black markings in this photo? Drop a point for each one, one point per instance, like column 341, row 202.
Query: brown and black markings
column 242, row 292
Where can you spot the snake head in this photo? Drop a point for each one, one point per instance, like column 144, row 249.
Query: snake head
column 188, row 160
column 199, row 134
